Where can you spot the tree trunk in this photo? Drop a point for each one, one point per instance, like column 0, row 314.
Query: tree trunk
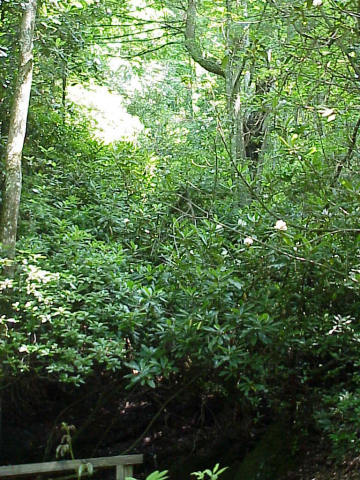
column 17, row 129
column 231, row 69
column 234, row 45
column 245, row 128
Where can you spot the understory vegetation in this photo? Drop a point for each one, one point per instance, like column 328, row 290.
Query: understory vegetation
column 211, row 262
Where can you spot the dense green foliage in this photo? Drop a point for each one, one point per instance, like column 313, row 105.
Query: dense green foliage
column 165, row 259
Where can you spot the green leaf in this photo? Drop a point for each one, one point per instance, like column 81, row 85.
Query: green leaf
column 224, row 62
column 158, row 475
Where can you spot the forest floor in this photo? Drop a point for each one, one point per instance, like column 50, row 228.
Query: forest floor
column 316, row 466
column 190, row 434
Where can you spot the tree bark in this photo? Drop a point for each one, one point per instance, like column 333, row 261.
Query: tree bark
column 192, row 45
column 17, row 129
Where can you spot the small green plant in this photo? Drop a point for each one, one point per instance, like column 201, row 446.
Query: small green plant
column 154, row 476
column 66, row 447
column 213, row 475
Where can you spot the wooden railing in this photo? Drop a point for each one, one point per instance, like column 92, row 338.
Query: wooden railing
column 123, row 463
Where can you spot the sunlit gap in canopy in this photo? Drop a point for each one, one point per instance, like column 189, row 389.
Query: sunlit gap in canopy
column 108, row 110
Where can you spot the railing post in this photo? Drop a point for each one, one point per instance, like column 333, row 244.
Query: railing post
column 123, row 471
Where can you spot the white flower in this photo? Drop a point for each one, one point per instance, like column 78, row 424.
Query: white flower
column 280, row 225
column 317, row 3
column 248, row 241
column 7, row 283
column 5, row 319
column 126, row 220
column 241, row 222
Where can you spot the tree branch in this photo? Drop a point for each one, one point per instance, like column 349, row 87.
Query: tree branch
column 143, row 52
column 341, row 45
column 348, row 154
column 192, row 45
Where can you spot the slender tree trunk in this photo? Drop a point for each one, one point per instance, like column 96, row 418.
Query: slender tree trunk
column 17, row 129
column 14, row 147
column 64, row 90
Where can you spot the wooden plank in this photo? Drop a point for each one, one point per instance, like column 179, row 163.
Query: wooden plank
column 66, row 465
column 124, row 471
column 120, row 472
column 128, row 471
